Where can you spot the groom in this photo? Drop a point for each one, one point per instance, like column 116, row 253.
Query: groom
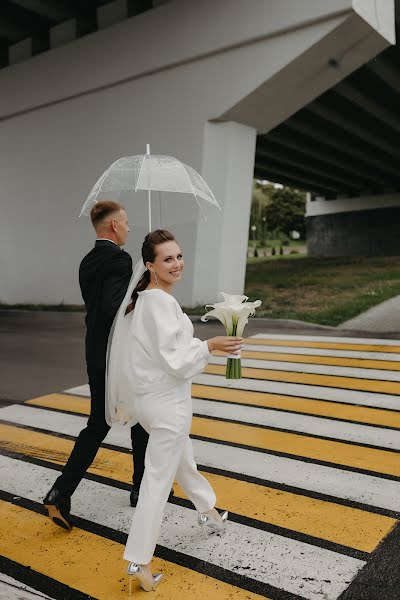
column 104, row 275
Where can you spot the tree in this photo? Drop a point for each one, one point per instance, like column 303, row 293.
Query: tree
column 285, row 211
column 260, row 199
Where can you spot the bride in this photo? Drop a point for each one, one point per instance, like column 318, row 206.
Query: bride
column 152, row 357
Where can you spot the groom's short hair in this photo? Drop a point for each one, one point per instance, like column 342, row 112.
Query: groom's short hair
column 102, row 209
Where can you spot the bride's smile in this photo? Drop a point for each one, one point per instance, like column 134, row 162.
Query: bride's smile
column 167, row 267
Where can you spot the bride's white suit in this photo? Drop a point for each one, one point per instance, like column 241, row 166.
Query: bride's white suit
column 153, row 357
column 163, row 357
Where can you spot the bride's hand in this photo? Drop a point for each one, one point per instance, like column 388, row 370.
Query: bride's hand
column 226, row 343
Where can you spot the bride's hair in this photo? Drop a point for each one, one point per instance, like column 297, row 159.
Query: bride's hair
column 151, row 241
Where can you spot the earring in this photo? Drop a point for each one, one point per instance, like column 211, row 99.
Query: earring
column 155, row 275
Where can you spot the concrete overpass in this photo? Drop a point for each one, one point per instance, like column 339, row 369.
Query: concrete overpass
column 343, row 148
column 272, row 87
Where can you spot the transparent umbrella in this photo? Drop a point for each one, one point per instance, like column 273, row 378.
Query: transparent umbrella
column 151, row 172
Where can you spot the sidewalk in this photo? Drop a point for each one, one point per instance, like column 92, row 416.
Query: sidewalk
column 383, row 317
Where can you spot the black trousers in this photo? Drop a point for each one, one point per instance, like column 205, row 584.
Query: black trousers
column 89, row 440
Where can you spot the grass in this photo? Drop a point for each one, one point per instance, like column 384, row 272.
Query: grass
column 328, row 291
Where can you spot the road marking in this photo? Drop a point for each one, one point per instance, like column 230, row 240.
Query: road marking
column 315, row 359
column 288, row 564
column 316, row 392
column 314, row 368
column 339, row 524
column 91, row 563
column 304, row 451
column 317, row 341
column 313, row 425
column 379, row 357
column 339, row 453
column 355, row 487
column 12, row 589
column 350, row 383
column 297, row 404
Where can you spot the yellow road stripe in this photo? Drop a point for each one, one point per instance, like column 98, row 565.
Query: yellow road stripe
column 337, row 410
column 351, row 455
column 93, row 564
column 331, row 345
column 360, row 363
column 326, row 520
column 348, row 383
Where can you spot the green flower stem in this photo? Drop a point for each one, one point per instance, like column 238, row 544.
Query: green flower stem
column 233, row 365
column 233, row 368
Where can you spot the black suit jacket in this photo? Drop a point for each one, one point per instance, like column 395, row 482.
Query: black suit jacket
column 104, row 275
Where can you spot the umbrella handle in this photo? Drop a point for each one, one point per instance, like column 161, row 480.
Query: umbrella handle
column 149, row 193
column 149, row 197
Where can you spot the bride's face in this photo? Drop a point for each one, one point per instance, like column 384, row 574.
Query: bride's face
column 168, row 263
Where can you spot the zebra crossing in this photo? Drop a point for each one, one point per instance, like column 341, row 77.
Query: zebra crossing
column 303, row 452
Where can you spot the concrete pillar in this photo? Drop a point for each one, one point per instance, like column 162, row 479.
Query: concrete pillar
column 365, row 226
column 221, row 245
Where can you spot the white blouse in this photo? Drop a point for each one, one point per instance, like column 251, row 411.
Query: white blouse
column 161, row 348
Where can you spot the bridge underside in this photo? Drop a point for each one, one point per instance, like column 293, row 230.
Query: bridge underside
column 344, row 143
column 343, row 148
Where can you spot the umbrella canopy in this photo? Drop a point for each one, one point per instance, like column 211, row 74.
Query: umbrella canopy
column 151, row 172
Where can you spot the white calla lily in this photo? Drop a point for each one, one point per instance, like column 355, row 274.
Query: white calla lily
column 234, row 314
column 244, row 315
column 233, row 299
column 222, row 313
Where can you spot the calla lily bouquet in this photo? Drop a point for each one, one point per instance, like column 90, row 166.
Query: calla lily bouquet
column 233, row 313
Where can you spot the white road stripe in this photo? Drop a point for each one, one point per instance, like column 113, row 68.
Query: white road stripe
column 360, row 373
column 383, row 356
column 330, row 428
column 348, row 432
column 296, row 567
column 11, row 589
column 326, row 338
column 330, row 481
column 366, row 489
column 81, row 390
column 314, row 392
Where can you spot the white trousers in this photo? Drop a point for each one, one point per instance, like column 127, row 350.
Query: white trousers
column 167, row 417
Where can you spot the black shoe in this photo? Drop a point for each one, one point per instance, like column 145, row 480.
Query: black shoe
column 58, row 508
column 135, row 496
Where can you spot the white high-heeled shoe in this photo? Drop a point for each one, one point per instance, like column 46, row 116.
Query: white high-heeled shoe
column 210, row 525
column 148, row 584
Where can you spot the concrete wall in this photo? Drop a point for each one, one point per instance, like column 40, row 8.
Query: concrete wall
column 166, row 77
column 362, row 233
column 366, row 226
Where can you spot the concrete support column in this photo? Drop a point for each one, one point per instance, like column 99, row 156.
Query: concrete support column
column 365, row 226
column 221, row 245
